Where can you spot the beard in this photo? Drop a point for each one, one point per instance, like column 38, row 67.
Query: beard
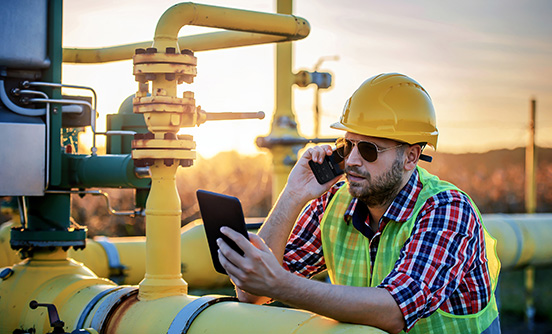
column 379, row 191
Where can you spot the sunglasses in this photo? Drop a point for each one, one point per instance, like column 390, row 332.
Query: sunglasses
column 368, row 150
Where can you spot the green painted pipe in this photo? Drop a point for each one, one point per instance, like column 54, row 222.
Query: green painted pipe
column 102, row 171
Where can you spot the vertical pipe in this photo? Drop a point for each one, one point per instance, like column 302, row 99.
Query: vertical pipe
column 531, row 208
column 283, row 122
column 317, row 112
column 163, row 277
column 53, row 74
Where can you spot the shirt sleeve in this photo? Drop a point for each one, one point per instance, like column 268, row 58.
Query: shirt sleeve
column 434, row 260
column 303, row 254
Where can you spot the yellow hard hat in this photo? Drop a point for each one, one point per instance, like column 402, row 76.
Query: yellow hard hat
column 392, row 106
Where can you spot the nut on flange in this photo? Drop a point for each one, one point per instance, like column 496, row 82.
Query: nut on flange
column 146, row 149
column 174, row 66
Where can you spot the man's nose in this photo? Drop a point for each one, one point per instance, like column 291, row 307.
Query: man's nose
column 354, row 158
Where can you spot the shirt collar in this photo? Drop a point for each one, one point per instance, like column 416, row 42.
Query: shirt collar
column 402, row 207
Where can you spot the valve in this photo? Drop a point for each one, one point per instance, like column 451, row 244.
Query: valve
column 165, row 113
column 52, row 314
column 55, row 322
column 322, row 80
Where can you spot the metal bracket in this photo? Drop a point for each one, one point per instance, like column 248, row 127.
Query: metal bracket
column 115, row 266
column 184, row 319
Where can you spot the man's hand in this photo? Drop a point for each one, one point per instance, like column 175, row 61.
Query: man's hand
column 302, row 184
column 258, row 272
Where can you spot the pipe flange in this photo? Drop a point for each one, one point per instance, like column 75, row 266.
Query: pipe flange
column 162, row 154
column 162, row 103
column 175, row 66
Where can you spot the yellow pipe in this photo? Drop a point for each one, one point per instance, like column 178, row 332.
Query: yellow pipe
column 225, row 317
column 196, row 265
column 522, row 239
column 179, row 15
column 197, row 268
column 163, row 276
column 8, row 256
column 85, row 301
column 253, row 28
column 284, row 124
column 48, row 278
column 201, row 42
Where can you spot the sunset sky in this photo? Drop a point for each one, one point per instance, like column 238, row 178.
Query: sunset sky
column 481, row 62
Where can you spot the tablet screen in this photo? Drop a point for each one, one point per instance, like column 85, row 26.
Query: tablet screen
column 219, row 210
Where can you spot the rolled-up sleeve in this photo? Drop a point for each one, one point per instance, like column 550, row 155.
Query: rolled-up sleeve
column 436, row 257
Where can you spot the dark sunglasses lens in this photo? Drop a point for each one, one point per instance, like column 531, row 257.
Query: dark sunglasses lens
column 368, row 151
column 341, row 147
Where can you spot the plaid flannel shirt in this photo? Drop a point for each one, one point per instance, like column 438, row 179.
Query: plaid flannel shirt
column 442, row 264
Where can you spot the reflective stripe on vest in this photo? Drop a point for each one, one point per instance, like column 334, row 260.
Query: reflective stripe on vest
column 347, row 257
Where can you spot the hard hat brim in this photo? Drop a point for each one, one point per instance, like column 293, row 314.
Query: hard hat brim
column 411, row 138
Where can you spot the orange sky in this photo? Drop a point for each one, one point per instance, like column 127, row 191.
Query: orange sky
column 480, row 61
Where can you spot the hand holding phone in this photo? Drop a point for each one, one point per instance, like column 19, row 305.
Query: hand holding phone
column 328, row 169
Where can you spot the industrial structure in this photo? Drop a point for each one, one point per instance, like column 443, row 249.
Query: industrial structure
column 66, row 283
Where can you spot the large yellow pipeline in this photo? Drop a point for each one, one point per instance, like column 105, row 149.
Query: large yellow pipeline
column 48, row 277
column 196, row 265
column 522, row 240
column 130, row 252
column 51, row 278
column 86, row 301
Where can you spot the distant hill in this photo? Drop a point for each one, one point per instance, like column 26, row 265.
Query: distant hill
column 496, row 179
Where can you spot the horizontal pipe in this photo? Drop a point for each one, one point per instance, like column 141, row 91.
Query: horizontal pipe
column 250, row 28
column 522, row 239
column 197, row 268
column 48, row 278
column 188, row 13
column 83, row 300
column 113, row 170
column 201, row 42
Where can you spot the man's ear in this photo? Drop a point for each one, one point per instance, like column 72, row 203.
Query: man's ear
column 411, row 157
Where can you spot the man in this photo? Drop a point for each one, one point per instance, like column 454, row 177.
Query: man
column 403, row 249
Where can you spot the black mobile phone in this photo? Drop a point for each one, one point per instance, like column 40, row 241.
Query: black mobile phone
column 328, row 169
column 218, row 210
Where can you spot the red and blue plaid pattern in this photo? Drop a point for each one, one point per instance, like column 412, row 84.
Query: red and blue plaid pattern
column 442, row 264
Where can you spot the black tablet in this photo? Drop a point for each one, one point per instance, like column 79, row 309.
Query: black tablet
column 218, row 210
